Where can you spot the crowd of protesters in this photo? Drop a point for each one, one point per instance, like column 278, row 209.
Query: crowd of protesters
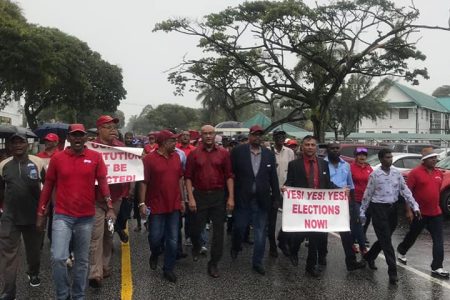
column 194, row 179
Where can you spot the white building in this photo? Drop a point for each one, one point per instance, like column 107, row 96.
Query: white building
column 410, row 111
column 12, row 114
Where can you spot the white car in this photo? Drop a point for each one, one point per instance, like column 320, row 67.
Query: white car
column 401, row 161
column 443, row 153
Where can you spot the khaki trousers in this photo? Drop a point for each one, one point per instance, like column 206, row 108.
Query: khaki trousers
column 100, row 251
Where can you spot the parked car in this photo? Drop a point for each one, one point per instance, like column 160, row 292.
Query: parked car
column 407, row 147
column 402, row 161
column 444, row 166
column 443, row 153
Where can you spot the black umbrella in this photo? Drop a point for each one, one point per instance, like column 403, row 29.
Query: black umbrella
column 59, row 129
column 7, row 130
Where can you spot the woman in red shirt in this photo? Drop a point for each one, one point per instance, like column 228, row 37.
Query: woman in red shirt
column 360, row 174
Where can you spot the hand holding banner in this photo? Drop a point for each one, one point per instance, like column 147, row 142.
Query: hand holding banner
column 314, row 210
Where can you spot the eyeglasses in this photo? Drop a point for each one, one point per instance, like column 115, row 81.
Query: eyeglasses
column 361, row 150
column 77, row 134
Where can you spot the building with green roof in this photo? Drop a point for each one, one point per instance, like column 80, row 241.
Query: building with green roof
column 410, row 111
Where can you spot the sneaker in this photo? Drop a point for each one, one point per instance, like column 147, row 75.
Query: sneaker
column 402, row 258
column 203, row 250
column 123, row 236
column 355, row 248
column 188, row 242
column 69, row 263
column 441, row 272
column 34, row 280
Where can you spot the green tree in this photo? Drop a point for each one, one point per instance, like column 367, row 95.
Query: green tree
column 442, row 91
column 267, row 39
column 173, row 116
column 49, row 68
column 357, row 99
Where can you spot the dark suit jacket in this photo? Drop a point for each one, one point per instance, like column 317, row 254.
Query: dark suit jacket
column 296, row 176
column 266, row 179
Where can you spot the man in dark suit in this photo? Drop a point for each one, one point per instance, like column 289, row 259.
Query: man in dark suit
column 256, row 191
column 308, row 171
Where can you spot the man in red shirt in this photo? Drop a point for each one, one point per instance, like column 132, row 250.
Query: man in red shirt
column 184, row 143
column 425, row 181
column 208, row 173
column 72, row 173
column 102, row 239
column 161, row 193
column 51, row 141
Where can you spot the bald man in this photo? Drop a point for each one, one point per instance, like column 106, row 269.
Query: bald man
column 208, row 173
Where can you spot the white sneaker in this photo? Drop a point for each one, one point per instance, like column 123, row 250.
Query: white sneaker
column 203, row 250
column 441, row 272
column 402, row 258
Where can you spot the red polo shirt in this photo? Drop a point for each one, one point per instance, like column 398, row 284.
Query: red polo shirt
column 149, row 148
column 73, row 176
column 208, row 170
column 187, row 150
column 425, row 187
column 44, row 154
column 162, row 176
column 360, row 176
column 306, row 161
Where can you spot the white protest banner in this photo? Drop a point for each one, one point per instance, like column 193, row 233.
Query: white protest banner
column 315, row 210
column 124, row 163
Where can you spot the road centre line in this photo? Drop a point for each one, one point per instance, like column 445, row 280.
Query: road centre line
column 127, row 277
column 411, row 269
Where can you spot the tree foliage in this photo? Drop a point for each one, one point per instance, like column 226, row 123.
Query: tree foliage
column 442, row 91
column 357, row 99
column 288, row 52
column 49, row 68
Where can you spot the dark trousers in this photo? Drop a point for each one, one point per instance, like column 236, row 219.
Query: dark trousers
column 315, row 239
column 357, row 228
column 136, row 213
column 245, row 214
column 10, row 240
column 163, row 234
column 123, row 215
column 271, row 227
column 210, row 205
column 434, row 226
column 384, row 221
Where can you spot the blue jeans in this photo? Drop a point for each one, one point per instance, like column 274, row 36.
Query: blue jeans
column 164, row 229
column 243, row 216
column 356, row 226
column 63, row 229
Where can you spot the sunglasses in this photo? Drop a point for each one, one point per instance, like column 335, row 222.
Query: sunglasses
column 361, row 150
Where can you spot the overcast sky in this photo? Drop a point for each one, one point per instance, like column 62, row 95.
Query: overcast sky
column 121, row 31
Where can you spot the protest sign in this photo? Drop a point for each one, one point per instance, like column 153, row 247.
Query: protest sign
column 315, row 210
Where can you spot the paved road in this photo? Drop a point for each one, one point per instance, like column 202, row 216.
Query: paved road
column 282, row 281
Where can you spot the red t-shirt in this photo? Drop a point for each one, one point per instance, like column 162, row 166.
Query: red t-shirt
column 208, row 170
column 360, row 176
column 73, row 176
column 44, row 154
column 150, row 148
column 162, row 176
column 425, row 187
column 306, row 161
column 187, row 150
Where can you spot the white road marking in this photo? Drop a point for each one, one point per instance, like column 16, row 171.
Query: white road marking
column 411, row 269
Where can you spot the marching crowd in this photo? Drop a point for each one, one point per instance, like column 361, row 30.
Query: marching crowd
column 217, row 181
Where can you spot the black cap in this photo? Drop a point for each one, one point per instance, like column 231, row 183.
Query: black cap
column 20, row 135
column 279, row 132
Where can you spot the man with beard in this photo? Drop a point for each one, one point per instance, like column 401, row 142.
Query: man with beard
column 161, row 192
column 102, row 239
column 256, row 188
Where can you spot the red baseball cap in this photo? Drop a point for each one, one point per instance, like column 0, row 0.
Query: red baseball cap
column 51, row 137
column 106, row 119
column 152, row 133
column 292, row 142
column 77, row 128
column 164, row 135
column 255, row 129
